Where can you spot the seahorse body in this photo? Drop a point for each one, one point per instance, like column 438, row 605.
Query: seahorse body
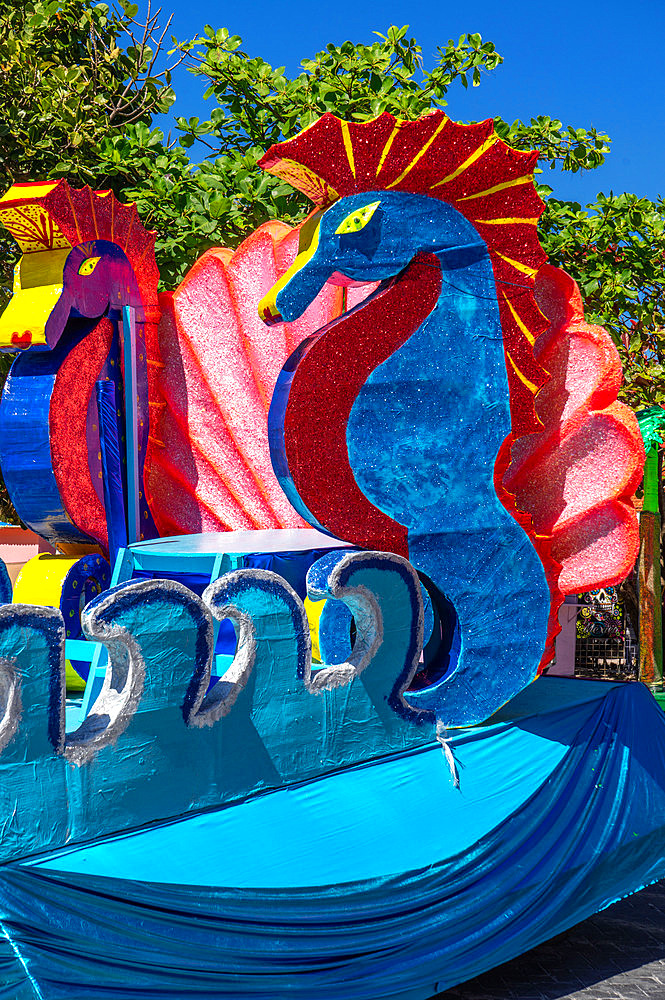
column 423, row 432
column 85, row 257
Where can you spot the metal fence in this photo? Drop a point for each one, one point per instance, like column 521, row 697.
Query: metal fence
column 597, row 640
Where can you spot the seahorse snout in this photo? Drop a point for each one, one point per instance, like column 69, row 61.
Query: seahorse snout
column 269, row 312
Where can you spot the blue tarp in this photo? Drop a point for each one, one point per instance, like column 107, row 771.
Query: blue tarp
column 383, row 880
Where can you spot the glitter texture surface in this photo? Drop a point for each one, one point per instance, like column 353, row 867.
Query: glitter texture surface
column 50, row 397
column 594, row 463
column 577, row 475
column 71, row 400
column 314, row 437
column 468, row 167
column 210, row 466
column 392, row 418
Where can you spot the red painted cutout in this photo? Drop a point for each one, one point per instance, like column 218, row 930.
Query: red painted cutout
column 68, row 415
column 315, row 437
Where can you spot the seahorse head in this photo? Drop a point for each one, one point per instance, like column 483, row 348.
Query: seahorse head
column 484, row 187
column 82, row 254
column 368, row 237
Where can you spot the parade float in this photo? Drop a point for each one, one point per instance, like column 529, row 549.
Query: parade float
column 315, row 513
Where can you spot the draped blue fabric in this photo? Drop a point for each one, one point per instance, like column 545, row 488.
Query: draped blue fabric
column 15, row 984
column 379, row 881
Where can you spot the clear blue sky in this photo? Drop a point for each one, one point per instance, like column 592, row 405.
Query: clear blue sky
column 586, row 63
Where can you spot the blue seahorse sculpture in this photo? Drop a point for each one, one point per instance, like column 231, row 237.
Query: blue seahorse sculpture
column 385, row 426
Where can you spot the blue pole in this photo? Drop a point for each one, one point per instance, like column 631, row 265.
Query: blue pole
column 109, row 442
column 131, row 423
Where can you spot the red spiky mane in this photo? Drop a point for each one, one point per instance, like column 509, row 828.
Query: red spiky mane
column 470, row 168
column 83, row 215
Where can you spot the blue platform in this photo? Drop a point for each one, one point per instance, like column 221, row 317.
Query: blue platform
column 377, row 881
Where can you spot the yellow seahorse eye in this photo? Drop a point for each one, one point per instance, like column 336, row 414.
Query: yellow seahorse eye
column 89, row 265
column 357, row 220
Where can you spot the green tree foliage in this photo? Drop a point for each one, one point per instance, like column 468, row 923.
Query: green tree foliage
column 257, row 105
column 65, row 82
column 615, row 249
column 79, row 87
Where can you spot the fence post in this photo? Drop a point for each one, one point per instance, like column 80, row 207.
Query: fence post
column 652, row 423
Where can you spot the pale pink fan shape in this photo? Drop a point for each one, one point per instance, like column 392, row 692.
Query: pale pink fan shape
column 208, row 465
column 576, row 477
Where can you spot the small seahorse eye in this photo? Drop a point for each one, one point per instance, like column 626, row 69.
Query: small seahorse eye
column 357, row 220
column 89, row 265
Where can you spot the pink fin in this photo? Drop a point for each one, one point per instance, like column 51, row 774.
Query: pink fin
column 576, row 477
column 209, row 465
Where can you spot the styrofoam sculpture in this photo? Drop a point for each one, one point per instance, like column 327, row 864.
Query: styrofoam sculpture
column 204, row 378
column 292, row 829
column 208, row 465
column 411, row 424
column 85, row 257
column 393, row 427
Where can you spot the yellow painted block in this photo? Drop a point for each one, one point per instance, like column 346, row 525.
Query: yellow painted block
column 41, row 579
column 19, row 192
column 40, row 582
column 37, row 288
column 313, row 610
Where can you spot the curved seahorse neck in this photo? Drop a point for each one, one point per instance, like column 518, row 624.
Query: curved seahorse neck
column 386, row 428
column 314, row 397
column 423, row 438
column 429, row 421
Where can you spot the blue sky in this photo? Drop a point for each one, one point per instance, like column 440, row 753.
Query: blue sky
column 586, row 63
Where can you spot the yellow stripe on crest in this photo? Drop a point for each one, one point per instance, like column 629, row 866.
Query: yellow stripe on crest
column 470, row 160
column 520, row 322
column 420, row 154
column 533, row 389
column 527, row 179
column 524, row 268
column 348, row 146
